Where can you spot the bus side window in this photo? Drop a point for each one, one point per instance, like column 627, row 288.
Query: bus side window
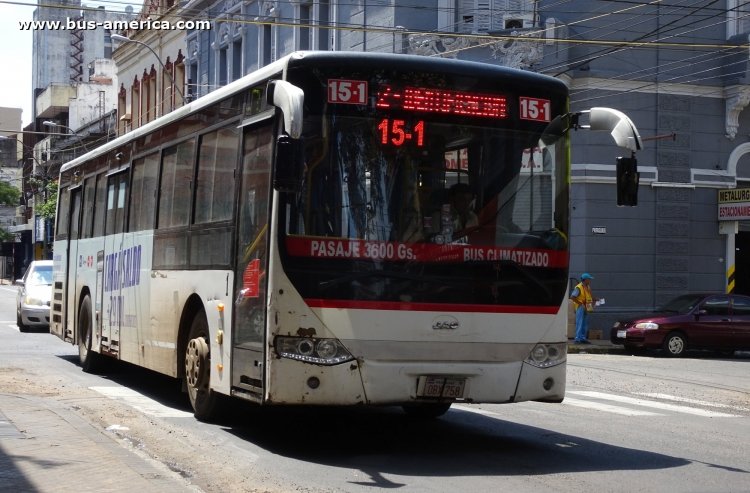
column 175, row 188
column 61, row 230
column 217, row 160
column 116, row 194
column 89, row 193
column 101, row 202
column 143, row 193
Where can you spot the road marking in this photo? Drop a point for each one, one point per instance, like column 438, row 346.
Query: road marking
column 653, row 404
column 667, row 397
column 600, row 406
column 475, row 410
column 144, row 404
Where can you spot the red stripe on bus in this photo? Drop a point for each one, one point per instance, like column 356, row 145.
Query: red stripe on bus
column 429, row 307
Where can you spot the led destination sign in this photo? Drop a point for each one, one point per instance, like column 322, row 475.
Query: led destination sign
column 446, row 102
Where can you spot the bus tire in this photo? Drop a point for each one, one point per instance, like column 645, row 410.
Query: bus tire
column 426, row 411
column 90, row 361
column 198, row 370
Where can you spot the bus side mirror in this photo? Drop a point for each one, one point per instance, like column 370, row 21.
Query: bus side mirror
column 290, row 164
column 627, row 181
column 290, row 100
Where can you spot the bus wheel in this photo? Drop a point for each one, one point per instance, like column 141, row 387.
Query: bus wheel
column 198, row 370
column 89, row 359
column 431, row 410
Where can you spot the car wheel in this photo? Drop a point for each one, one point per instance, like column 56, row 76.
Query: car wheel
column 675, row 344
column 19, row 321
column 426, row 411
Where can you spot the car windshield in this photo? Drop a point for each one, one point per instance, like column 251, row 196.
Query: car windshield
column 682, row 304
column 40, row 276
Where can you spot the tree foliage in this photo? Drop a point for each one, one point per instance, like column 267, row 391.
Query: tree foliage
column 9, row 194
column 46, row 204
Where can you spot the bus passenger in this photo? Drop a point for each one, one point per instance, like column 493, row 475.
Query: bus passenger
column 456, row 215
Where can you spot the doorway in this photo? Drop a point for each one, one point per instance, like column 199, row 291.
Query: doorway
column 742, row 260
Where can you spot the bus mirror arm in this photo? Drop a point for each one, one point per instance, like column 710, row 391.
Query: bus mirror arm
column 617, row 123
column 290, row 164
column 290, row 100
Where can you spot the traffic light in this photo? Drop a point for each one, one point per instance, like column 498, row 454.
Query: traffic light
column 627, row 181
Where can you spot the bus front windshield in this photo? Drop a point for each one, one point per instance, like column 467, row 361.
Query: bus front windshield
column 405, row 209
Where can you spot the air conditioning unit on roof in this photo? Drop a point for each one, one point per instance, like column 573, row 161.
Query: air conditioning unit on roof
column 518, row 21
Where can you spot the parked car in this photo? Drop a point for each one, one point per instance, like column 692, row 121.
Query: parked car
column 34, row 295
column 713, row 321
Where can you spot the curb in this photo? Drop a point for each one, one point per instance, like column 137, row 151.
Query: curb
column 596, row 347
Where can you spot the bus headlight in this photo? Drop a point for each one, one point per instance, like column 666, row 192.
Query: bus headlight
column 318, row 351
column 546, row 355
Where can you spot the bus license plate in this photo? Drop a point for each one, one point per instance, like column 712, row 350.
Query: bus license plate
column 449, row 387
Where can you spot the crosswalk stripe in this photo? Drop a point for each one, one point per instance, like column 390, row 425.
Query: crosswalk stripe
column 144, row 404
column 652, row 404
column 599, row 406
column 667, row 397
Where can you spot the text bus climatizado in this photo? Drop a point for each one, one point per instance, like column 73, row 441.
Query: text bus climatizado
column 290, row 239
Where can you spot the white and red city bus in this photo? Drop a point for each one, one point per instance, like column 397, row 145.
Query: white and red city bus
column 291, row 239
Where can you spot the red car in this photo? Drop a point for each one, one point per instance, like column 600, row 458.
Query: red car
column 713, row 321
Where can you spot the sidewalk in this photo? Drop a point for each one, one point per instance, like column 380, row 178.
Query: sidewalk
column 597, row 346
column 47, row 448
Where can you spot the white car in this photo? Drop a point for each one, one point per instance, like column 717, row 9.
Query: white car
column 34, row 295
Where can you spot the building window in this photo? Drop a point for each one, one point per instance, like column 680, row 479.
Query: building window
column 135, row 102
column 324, row 34
column 237, row 58
column 738, row 17
column 266, row 44
column 223, row 65
column 482, row 16
column 152, row 104
column 167, row 89
column 144, row 113
column 191, row 89
column 179, row 80
column 303, row 32
column 122, row 110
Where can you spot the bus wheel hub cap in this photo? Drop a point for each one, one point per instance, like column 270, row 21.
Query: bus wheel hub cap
column 196, row 358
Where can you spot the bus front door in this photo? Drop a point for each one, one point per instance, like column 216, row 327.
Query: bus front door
column 67, row 298
column 252, row 258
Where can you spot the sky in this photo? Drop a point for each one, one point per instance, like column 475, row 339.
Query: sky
column 15, row 58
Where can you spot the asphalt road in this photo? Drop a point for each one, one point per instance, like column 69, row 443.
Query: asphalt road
column 629, row 423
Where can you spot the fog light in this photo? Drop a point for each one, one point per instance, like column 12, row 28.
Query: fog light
column 548, row 383
column 313, row 382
